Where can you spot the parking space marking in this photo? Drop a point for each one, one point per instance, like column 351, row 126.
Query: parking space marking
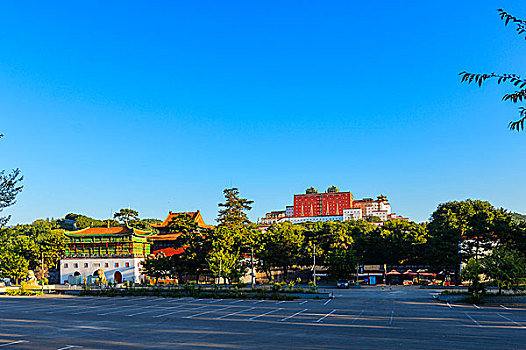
column 391, row 319
column 280, row 302
column 176, row 312
column 237, row 301
column 291, row 316
column 328, row 301
column 266, row 313
column 145, row 312
column 324, row 317
column 208, row 312
column 509, row 319
column 173, row 300
column 449, row 305
column 70, row 347
column 472, row 319
column 235, row 313
column 303, row 302
column 215, row 301
column 126, row 307
column 260, row 301
column 13, row 343
column 504, row 307
column 475, row 305
column 357, row 317
column 195, row 300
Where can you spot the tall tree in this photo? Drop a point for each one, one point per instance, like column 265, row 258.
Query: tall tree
column 126, row 216
column 10, row 187
column 513, row 79
column 233, row 214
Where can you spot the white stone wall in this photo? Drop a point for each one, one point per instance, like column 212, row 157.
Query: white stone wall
column 131, row 273
column 299, row 219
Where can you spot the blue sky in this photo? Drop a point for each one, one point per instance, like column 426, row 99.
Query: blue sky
column 162, row 105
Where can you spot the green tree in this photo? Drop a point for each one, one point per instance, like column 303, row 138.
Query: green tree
column 233, row 214
column 158, row 266
column 10, row 187
column 403, row 241
column 513, row 79
column 459, row 231
column 471, row 272
column 281, row 247
column 341, row 263
column 506, row 268
column 12, row 265
column 126, row 216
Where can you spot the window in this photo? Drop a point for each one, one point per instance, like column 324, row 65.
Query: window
column 65, row 266
column 85, row 265
column 127, row 264
column 76, row 265
column 116, row 264
column 106, row 265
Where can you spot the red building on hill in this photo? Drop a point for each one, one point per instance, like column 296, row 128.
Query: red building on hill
column 313, row 203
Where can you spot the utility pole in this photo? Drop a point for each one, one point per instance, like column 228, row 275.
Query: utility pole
column 253, row 274
column 314, row 264
column 220, row 270
column 42, row 273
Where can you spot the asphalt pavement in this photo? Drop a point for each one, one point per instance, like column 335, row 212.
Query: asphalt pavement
column 366, row 318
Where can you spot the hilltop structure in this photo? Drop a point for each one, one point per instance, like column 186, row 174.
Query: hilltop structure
column 331, row 205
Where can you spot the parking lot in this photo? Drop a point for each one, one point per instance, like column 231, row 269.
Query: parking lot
column 367, row 318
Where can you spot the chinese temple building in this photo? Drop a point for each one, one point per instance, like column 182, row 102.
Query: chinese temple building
column 165, row 240
column 117, row 251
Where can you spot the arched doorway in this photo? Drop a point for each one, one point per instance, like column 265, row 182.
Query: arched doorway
column 117, row 277
column 76, row 273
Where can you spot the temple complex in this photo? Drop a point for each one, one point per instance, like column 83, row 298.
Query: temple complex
column 164, row 241
column 117, row 251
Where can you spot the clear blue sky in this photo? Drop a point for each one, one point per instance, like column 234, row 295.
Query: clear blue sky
column 161, row 105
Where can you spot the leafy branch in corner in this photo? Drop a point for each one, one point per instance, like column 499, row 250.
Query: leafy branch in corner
column 518, row 95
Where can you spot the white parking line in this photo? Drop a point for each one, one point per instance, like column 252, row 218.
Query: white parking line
column 266, row 313
column 260, row 301
column 280, row 302
column 208, row 312
column 472, row 319
column 237, row 301
column 509, row 319
column 176, row 312
column 126, row 307
column 504, row 307
column 303, row 302
column 328, row 301
column 357, row 317
column 144, row 312
column 215, row 301
column 291, row 316
column 173, row 300
column 70, row 347
column 475, row 305
column 324, row 317
column 195, row 300
column 449, row 305
column 13, row 343
column 391, row 319
column 235, row 313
